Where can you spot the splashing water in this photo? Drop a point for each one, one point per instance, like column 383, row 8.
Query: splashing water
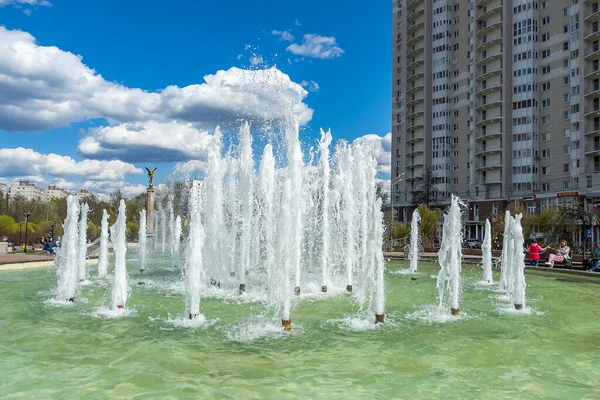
column 176, row 258
column 82, row 243
column 414, row 240
column 518, row 264
column 505, row 253
column 487, row 253
column 142, row 241
column 193, row 263
column 66, row 260
column 120, row 289
column 324, row 144
column 450, row 254
column 103, row 257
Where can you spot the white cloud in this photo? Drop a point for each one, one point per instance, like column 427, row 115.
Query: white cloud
column 146, row 142
column 284, row 35
column 382, row 150
column 239, row 56
column 43, row 3
column 43, row 87
column 256, row 60
column 297, row 22
column 317, row 46
column 189, row 167
column 311, row 86
column 19, row 162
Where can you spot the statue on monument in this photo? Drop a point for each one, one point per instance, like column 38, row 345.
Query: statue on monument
column 150, row 176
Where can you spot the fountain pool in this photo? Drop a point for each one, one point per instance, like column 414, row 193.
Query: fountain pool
column 490, row 351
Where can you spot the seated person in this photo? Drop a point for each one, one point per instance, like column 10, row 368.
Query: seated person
column 595, row 258
column 563, row 254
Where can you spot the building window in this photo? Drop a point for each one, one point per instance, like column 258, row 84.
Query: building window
column 566, row 80
column 545, row 170
column 494, row 208
column 565, row 115
column 545, row 187
column 566, row 167
column 566, row 150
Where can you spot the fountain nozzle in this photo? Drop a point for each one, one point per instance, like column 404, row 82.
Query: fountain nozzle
column 324, row 289
column 518, row 306
column 142, row 270
column 287, row 324
column 455, row 311
column 242, row 288
column 71, row 299
column 379, row 318
column 297, row 290
column 192, row 316
column 120, row 307
column 349, row 288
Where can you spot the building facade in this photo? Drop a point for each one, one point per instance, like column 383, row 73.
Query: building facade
column 499, row 99
column 54, row 192
column 27, row 190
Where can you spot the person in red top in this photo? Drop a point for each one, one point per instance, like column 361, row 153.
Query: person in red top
column 534, row 251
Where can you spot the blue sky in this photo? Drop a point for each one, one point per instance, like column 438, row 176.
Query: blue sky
column 151, row 45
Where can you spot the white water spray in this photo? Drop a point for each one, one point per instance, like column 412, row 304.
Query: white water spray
column 518, row 264
column 505, row 252
column 193, row 259
column 450, row 256
column 66, row 260
column 414, row 241
column 176, row 242
column 82, row 242
column 120, row 289
column 103, row 257
column 487, row 253
column 324, row 144
column 142, row 241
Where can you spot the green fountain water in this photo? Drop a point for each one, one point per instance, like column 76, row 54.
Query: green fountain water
column 491, row 351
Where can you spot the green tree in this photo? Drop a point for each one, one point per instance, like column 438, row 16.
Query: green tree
column 8, row 226
column 429, row 226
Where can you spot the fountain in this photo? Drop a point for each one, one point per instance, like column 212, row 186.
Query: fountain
column 67, row 255
column 413, row 253
column 142, row 241
column 518, row 264
column 450, row 256
column 324, row 144
column 103, row 257
column 120, row 289
column 163, row 228
column 246, row 187
column 193, row 263
column 171, row 225
column 176, row 257
column 487, row 253
column 82, row 243
column 505, row 254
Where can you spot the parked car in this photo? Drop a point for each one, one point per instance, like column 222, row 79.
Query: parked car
column 472, row 244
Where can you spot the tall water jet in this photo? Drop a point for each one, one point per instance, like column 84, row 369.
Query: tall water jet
column 171, row 225
column 82, row 242
column 505, row 255
column 510, row 252
column 66, row 258
column 103, row 256
column 450, row 256
column 284, row 241
column 344, row 184
column 295, row 174
column 163, row 228
column 246, row 186
column 324, row 144
column 142, row 241
column 266, row 191
column 379, row 264
column 176, row 258
column 413, row 253
column 487, row 253
column 120, row 289
column 518, row 264
column 193, row 259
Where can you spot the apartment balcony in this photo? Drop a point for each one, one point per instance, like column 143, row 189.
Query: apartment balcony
column 415, row 51
column 488, row 149
column 492, row 181
column 488, row 119
column 483, row 45
column 488, row 11
column 415, row 12
column 487, row 74
column 489, row 26
column 593, row 91
column 415, row 87
column 592, row 149
column 494, row 55
column 484, row 90
column 416, row 37
column 417, row 61
column 592, row 111
column 415, row 101
column 592, row 51
column 480, row 106
column 593, row 71
column 414, row 127
column 488, row 134
column 592, row 129
column 591, row 34
column 413, row 164
column 594, row 14
column 413, row 3
column 410, row 76
column 413, row 114
column 412, row 152
column 415, row 25
column 488, row 166
column 482, row 3
column 414, row 137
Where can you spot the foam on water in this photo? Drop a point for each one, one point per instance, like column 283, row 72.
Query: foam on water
column 116, row 313
column 258, row 328
column 431, row 314
column 182, row 321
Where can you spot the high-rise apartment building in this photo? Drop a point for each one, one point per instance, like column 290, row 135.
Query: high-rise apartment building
column 499, row 99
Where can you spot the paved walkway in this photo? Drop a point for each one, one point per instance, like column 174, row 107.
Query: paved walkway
column 24, row 257
column 400, row 254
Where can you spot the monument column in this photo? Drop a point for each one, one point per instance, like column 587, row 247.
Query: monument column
column 150, row 207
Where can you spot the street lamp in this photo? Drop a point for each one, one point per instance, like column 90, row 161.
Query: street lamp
column 52, row 225
column 20, row 226
column 26, row 214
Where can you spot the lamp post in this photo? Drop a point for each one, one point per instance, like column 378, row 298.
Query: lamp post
column 52, row 225
column 20, row 226
column 26, row 214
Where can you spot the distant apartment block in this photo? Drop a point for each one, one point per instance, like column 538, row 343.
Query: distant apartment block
column 32, row 192
column 499, row 99
column 54, row 192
